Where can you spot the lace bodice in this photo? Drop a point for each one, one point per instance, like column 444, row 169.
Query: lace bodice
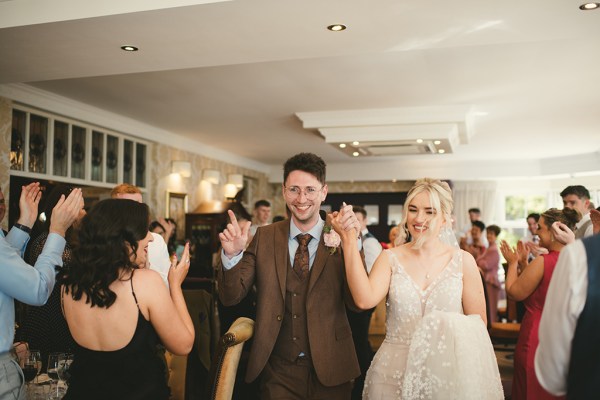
column 407, row 304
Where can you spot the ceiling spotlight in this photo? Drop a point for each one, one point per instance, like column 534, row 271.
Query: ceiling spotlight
column 355, row 154
column 437, row 142
column 129, row 48
column 589, row 6
column 336, row 27
column 419, row 140
column 342, row 145
column 441, row 151
column 355, row 143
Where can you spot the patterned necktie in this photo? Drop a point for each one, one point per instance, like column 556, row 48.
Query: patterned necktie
column 301, row 258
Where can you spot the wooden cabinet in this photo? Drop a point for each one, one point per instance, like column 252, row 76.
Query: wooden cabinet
column 50, row 146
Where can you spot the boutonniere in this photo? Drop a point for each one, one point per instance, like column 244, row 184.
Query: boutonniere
column 331, row 238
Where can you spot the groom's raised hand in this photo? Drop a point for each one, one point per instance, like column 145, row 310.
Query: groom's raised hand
column 234, row 237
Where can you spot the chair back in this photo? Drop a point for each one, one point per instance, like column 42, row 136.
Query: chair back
column 223, row 370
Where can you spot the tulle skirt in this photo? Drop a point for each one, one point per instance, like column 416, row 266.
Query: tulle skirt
column 450, row 357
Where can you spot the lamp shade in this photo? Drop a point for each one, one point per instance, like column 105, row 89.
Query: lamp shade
column 211, row 175
column 183, row 168
column 236, row 179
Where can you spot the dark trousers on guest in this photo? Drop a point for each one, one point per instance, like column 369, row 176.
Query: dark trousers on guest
column 297, row 380
column 359, row 324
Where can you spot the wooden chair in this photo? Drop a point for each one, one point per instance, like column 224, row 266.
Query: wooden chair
column 224, row 366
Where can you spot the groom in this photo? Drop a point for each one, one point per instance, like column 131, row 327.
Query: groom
column 303, row 345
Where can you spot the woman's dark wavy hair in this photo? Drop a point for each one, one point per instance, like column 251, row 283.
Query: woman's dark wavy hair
column 106, row 247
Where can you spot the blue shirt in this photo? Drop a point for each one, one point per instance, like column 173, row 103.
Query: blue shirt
column 18, row 280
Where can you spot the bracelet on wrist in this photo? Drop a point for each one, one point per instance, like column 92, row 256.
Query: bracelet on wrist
column 22, row 227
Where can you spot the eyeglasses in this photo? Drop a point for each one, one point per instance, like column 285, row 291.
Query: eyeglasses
column 309, row 192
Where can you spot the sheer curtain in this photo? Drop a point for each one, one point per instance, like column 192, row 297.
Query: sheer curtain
column 479, row 194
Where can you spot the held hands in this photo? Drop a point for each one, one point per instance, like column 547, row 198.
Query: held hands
column 234, row 237
column 66, row 211
column 562, row 233
column 179, row 270
column 344, row 222
column 28, row 204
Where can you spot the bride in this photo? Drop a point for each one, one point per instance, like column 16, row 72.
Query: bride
column 436, row 345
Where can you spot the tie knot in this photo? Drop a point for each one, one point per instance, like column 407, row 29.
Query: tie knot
column 303, row 239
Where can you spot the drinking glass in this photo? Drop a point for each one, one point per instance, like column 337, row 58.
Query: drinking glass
column 53, row 365
column 31, row 365
column 64, row 364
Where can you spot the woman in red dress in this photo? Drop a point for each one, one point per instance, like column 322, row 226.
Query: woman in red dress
column 530, row 286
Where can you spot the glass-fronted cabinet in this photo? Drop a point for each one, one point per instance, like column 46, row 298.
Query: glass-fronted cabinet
column 48, row 145
column 59, row 153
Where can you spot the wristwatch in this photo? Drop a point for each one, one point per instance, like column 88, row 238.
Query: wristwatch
column 22, row 227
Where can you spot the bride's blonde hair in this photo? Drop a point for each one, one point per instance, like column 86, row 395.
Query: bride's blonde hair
column 440, row 198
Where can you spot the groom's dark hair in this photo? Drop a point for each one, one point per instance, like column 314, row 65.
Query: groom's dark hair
column 307, row 162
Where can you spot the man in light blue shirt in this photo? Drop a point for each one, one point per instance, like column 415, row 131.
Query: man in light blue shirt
column 20, row 281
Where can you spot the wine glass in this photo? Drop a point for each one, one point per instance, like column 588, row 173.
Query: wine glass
column 64, row 364
column 53, row 366
column 31, row 366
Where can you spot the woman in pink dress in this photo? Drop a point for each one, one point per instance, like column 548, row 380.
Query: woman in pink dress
column 488, row 264
column 531, row 287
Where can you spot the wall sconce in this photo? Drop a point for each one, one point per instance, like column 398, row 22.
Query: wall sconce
column 183, row 168
column 236, row 179
column 211, row 175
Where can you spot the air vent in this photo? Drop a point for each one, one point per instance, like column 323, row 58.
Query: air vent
column 397, row 149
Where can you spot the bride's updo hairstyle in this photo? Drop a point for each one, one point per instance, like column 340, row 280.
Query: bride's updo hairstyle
column 440, row 197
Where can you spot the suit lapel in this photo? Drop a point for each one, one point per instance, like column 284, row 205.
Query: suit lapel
column 282, row 235
column 319, row 264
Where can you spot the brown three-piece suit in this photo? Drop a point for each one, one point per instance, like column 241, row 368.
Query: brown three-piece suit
column 282, row 325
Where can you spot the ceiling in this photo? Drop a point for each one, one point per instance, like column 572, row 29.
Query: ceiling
column 232, row 75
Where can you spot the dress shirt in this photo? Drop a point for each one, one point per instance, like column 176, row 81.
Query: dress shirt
column 18, row 280
column 372, row 250
column 589, row 231
column 565, row 300
column 315, row 232
column 158, row 257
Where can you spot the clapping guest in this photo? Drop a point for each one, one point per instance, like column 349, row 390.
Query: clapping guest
column 22, row 282
column 118, row 310
column 488, row 263
column 44, row 327
column 476, row 247
column 531, row 287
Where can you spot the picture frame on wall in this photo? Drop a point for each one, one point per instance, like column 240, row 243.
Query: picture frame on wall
column 176, row 208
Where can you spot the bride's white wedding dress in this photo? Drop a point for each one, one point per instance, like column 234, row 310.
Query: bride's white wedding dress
column 431, row 349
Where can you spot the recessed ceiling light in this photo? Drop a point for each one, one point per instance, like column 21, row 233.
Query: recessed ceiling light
column 437, row 142
column 356, row 143
column 441, row 151
column 342, row 145
column 589, row 6
column 355, row 154
column 336, row 27
column 419, row 140
column 129, row 48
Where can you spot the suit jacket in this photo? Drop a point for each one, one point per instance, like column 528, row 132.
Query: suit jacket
column 266, row 263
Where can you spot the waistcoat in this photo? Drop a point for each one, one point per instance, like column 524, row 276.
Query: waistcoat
column 293, row 335
column 583, row 380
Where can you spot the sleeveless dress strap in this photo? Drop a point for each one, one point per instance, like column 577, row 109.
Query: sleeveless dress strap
column 133, row 292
